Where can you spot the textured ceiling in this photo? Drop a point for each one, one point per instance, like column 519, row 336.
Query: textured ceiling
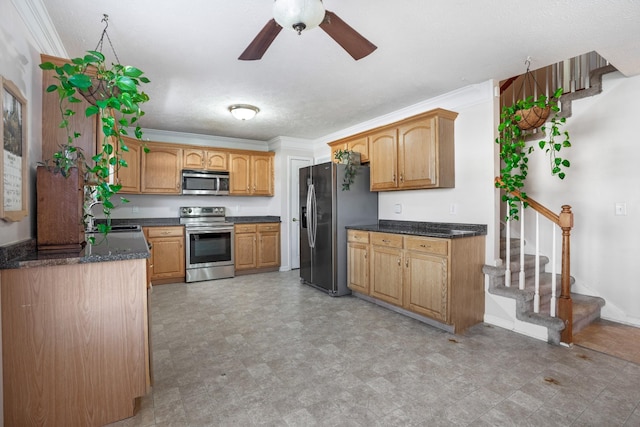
column 307, row 86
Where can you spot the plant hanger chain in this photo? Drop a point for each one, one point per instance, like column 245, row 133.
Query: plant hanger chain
column 529, row 77
column 98, row 48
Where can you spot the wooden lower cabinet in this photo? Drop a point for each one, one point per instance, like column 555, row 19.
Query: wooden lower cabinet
column 358, row 258
column 386, row 267
column 74, row 343
column 167, row 261
column 440, row 279
column 256, row 247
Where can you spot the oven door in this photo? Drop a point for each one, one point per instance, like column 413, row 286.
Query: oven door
column 209, row 246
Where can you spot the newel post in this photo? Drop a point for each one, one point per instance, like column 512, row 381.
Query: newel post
column 565, row 305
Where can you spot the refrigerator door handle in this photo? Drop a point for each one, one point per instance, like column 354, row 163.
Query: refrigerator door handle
column 314, row 215
column 309, row 216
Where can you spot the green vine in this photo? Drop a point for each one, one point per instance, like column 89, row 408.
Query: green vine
column 515, row 152
column 351, row 168
column 118, row 108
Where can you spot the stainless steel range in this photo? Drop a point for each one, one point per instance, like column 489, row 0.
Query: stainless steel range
column 209, row 243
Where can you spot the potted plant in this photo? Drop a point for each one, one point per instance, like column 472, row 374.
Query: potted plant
column 516, row 121
column 116, row 102
column 351, row 160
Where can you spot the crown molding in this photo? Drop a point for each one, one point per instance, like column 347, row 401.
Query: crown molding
column 36, row 18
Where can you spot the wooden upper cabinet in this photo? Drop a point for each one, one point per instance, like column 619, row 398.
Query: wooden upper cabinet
column 217, row 160
column 239, row 174
column 383, row 146
column 358, row 144
column 262, row 175
column 129, row 177
column 193, row 158
column 415, row 153
column 161, row 169
column 251, row 175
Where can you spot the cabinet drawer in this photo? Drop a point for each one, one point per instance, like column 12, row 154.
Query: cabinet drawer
column 269, row 227
column 425, row 244
column 245, row 228
column 165, row 232
column 358, row 236
column 386, row 239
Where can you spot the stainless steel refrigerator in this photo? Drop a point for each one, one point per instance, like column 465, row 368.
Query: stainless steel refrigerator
column 325, row 210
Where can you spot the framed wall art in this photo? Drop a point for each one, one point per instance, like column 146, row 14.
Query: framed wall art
column 13, row 167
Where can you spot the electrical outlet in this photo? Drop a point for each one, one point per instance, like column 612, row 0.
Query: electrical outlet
column 621, row 209
column 453, row 209
column 135, row 209
column 397, row 208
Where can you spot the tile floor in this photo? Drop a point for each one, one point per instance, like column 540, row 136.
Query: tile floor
column 266, row 350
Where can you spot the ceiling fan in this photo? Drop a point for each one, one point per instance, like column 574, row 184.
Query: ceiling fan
column 301, row 15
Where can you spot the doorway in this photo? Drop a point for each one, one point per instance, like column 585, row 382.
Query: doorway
column 295, row 163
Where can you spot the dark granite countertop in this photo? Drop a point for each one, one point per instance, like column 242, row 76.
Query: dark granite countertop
column 441, row 230
column 115, row 247
column 164, row 222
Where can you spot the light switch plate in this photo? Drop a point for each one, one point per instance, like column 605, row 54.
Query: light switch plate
column 621, row 209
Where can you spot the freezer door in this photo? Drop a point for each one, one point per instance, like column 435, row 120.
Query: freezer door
column 305, row 247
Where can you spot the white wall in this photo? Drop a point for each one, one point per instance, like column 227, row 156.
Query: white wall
column 19, row 59
column 604, row 171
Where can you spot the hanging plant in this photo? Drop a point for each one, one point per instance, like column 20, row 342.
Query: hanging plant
column 514, row 151
column 351, row 159
column 115, row 96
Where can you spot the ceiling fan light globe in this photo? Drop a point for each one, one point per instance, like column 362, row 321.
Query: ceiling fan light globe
column 292, row 13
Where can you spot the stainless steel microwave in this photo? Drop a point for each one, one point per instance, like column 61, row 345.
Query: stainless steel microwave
column 205, row 183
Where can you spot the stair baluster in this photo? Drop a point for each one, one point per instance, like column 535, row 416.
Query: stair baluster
column 521, row 276
column 536, row 294
column 552, row 308
column 507, row 272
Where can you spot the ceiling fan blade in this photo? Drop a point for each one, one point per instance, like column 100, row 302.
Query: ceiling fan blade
column 261, row 42
column 350, row 40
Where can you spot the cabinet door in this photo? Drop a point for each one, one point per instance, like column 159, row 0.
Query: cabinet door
column 417, row 154
column 239, row 174
column 217, row 161
column 245, row 251
column 262, row 175
column 358, row 267
column 129, row 177
column 193, row 159
column 268, row 245
column 383, row 150
column 360, row 145
column 386, row 274
column 426, row 285
column 161, row 169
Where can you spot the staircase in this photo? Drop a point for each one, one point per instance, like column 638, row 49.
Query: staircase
column 562, row 312
column 585, row 308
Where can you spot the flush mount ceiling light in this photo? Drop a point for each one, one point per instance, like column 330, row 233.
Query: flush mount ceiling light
column 243, row 111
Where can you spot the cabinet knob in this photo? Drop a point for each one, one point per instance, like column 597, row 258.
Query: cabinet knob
column 365, row 255
column 401, row 178
column 399, row 261
column 406, row 263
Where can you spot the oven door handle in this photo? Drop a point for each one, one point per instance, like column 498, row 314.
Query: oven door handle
column 200, row 230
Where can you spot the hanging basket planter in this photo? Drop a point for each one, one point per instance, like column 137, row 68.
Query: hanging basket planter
column 533, row 117
column 98, row 91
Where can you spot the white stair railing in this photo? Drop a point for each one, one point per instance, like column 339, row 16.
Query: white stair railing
column 537, row 251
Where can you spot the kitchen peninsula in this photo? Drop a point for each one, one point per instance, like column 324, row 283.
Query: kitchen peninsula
column 75, row 332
